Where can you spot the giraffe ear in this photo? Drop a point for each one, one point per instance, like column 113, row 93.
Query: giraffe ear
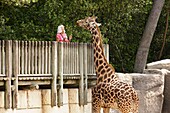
column 94, row 17
column 99, row 24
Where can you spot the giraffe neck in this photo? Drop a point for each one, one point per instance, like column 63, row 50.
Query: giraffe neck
column 103, row 69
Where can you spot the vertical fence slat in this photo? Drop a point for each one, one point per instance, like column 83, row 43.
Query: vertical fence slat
column 0, row 58
column 93, row 68
column 85, row 74
column 49, row 57
column 8, row 71
column 42, row 58
column 19, row 55
column 64, row 59
column 76, row 58
column 32, row 57
column 73, row 57
column 78, row 68
column 67, row 58
column 81, row 82
column 15, row 70
column 3, row 57
column 45, row 59
column 35, row 60
column 90, row 58
column 39, row 57
column 70, row 59
column 29, row 57
column 22, row 57
column 54, row 74
column 107, row 52
column 60, row 73
column 26, row 56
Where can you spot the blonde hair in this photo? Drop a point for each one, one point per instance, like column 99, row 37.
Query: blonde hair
column 60, row 29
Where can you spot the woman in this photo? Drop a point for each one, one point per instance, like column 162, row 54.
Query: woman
column 61, row 35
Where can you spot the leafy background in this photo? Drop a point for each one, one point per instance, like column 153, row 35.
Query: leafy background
column 123, row 23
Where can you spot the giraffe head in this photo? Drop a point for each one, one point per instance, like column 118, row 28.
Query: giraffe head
column 88, row 22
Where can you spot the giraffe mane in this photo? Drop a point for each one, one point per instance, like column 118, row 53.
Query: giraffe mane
column 101, row 42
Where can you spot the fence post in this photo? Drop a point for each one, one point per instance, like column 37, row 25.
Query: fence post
column 54, row 74
column 3, row 57
column 60, row 74
column 0, row 57
column 8, row 71
column 15, row 70
column 85, row 73
column 81, row 83
column 107, row 51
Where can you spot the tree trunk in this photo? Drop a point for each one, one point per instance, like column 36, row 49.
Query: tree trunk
column 164, row 37
column 142, row 53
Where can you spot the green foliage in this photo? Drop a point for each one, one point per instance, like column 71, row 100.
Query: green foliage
column 159, row 34
column 123, row 22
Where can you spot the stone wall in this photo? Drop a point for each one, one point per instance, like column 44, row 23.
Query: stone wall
column 166, row 104
column 39, row 101
column 150, row 90
column 163, row 65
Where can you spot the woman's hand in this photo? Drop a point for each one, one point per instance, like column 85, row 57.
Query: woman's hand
column 70, row 37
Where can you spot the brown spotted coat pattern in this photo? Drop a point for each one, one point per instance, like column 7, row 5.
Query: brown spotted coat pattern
column 109, row 91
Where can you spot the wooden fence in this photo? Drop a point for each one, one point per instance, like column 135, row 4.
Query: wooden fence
column 36, row 63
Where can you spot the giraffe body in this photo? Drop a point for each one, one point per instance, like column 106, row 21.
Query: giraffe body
column 109, row 95
column 109, row 91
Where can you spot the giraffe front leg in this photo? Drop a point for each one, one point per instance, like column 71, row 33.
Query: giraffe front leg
column 106, row 110
column 96, row 109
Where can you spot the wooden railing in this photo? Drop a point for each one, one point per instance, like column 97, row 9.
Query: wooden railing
column 26, row 63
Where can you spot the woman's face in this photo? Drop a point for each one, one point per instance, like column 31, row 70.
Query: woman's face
column 62, row 29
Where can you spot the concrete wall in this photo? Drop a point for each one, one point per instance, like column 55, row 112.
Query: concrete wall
column 150, row 89
column 39, row 101
column 164, row 66
column 166, row 104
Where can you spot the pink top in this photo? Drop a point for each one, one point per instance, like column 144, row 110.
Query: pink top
column 62, row 37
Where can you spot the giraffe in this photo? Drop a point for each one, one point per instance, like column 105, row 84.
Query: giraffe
column 109, row 91
column 104, row 71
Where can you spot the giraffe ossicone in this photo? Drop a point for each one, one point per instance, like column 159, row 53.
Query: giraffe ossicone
column 109, row 91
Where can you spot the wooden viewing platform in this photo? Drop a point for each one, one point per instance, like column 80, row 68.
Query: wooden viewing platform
column 45, row 64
